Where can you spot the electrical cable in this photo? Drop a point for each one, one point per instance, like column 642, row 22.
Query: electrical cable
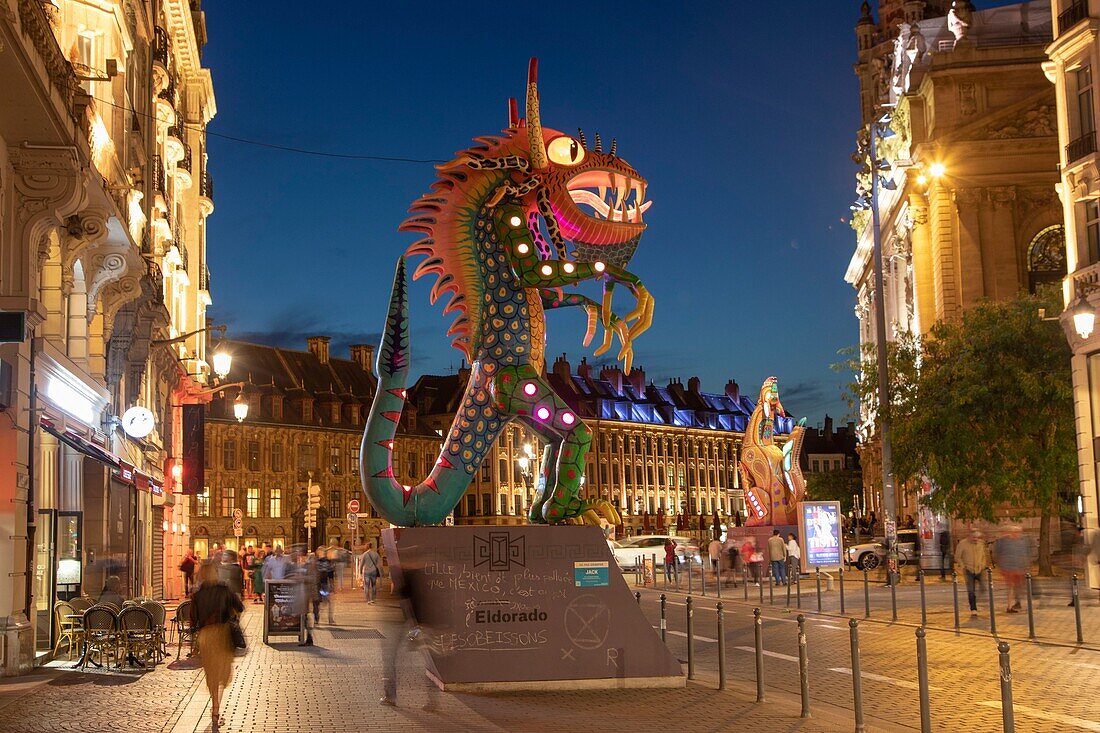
column 275, row 146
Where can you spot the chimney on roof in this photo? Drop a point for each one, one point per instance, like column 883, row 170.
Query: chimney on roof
column 851, row 428
column 614, row 375
column 693, row 385
column 318, row 346
column 561, row 367
column 828, row 425
column 464, row 372
column 583, row 370
column 637, row 379
column 363, row 355
column 733, row 391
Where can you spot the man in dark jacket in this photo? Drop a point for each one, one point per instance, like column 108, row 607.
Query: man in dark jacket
column 230, row 573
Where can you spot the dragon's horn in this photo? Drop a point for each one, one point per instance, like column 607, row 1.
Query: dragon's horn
column 599, row 144
column 614, row 144
column 513, row 113
column 534, row 124
column 580, row 136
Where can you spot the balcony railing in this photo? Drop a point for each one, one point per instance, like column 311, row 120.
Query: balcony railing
column 176, row 131
column 206, row 186
column 1071, row 16
column 168, row 94
column 157, row 278
column 1079, row 148
column 185, row 161
column 158, row 175
column 204, row 278
column 160, row 46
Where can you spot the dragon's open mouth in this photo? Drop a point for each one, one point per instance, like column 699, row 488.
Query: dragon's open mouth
column 611, row 196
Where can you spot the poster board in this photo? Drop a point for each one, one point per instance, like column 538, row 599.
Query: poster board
column 820, row 535
column 282, row 609
column 649, row 571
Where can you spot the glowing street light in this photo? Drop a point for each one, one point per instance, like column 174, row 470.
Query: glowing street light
column 222, row 362
column 240, row 407
column 937, row 170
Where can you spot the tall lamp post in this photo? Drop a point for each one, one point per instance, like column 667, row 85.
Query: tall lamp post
column 526, row 464
column 880, row 130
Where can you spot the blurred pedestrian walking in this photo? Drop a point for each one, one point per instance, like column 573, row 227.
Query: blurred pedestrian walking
column 777, row 554
column 1012, row 554
column 794, row 557
column 213, row 607
column 370, row 568
column 230, row 573
column 326, row 584
column 187, row 567
column 409, row 636
column 972, row 555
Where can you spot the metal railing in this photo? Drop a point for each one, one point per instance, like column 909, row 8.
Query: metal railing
column 204, row 278
column 185, row 161
column 1072, row 15
column 153, row 272
column 168, row 94
column 206, row 186
column 176, row 131
column 1082, row 146
column 158, row 175
column 160, row 46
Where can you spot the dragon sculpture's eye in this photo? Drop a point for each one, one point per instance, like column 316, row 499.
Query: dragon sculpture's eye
column 565, row 150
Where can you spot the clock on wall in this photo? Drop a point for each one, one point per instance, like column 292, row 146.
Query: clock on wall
column 138, row 422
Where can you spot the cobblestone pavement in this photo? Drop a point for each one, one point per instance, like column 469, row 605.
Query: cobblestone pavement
column 335, row 685
column 1054, row 685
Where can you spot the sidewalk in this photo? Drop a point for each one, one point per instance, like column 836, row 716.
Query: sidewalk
column 335, row 686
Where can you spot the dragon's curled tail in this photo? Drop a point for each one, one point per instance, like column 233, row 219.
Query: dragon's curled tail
column 433, row 499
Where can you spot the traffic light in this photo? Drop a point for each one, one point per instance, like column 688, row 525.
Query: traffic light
column 314, row 503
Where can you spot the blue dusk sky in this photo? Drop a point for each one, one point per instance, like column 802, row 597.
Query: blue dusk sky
column 741, row 115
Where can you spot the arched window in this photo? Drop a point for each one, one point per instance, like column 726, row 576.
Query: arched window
column 1046, row 258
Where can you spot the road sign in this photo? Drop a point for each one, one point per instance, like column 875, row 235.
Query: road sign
column 353, row 506
column 236, row 523
column 353, row 520
column 237, row 514
column 237, row 532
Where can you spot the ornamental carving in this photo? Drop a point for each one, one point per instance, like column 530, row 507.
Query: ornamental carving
column 1031, row 200
column 49, row 186
column 35, row 24
column 1035, row 122
column 968, row 102
column 968, row 196
column 1001, row 196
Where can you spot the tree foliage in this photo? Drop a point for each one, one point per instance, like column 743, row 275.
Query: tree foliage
column 835, row 486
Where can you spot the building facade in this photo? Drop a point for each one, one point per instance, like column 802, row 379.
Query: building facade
column 1074, row 59
column 665, row 457
column 973, row 213
column 307, row 411
column 827, row 448
column 103, row 107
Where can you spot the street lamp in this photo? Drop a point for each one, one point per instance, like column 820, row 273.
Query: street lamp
column 222, row 362
column 240, row 407
column 880, row 130
column 1084, row 315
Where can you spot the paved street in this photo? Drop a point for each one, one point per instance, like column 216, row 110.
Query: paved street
column 335, row 686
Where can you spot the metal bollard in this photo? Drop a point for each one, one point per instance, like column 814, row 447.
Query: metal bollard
column 719, row 577
column 893, row 595
column 866, row 596
column 803, row 667
column 922, row 682
column 703, row 577
column 992, row 607
column 638, row 597
column 1030, row 610
column 857, row 679
column 1077, row 610
column 691, row 639
column 745, row 582
column 841, row 576
column 758, row 629
column 955, row 593
column 721, row 647
column 664, row 623
column 1008, row 717
column 923, row 605
column 687, row 562
column 760, row 584
column 798, row 589
column 790, row 582
column 771, row 592
column 817, row 572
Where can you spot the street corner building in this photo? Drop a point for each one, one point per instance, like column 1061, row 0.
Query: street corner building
column 306, row 415
column 970, row 207
column 104, row 194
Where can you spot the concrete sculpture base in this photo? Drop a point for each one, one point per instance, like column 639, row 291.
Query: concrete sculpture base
column 525, row 608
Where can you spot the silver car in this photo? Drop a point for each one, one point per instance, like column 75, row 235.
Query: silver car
column 630, row 550
column 869, row 555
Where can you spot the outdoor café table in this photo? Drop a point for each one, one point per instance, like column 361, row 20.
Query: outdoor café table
column 84, row 647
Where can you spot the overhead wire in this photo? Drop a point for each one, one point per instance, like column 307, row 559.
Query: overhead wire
column 276, row 146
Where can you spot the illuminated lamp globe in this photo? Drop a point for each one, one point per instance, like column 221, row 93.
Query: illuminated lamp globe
column 524, row 463
column 542, row 413
column 240, row 409
column 937, row 170
column 223, row 361
column 177, row 470
column 1084, row 317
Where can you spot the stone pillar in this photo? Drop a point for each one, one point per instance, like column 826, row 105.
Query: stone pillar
column 944, row 274
column 970, row 267
column 1002, row 271
column 924, row 280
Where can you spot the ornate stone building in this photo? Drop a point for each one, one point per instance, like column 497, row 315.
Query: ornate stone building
column 307, row 411
column 1074, row 59
column 973, row 214
column 103, row 197
column 665, row 456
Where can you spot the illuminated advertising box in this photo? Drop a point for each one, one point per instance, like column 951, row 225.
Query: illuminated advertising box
column 820, row 535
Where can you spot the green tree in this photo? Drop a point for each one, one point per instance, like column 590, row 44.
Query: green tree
column 990, row 418
column 835, row 486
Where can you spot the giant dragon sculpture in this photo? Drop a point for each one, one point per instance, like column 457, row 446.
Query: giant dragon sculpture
column 770, row 474
column 482, row 224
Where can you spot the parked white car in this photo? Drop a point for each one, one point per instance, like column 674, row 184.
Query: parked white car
column 869, row 555
column 630, row 550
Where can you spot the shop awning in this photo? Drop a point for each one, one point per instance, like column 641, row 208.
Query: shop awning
column 80, row 444
column 143, row 481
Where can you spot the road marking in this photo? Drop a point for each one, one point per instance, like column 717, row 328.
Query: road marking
column 777, row 655
column 1086, row 665
column 881, row 678
column 1044, row 715
column 681, row 633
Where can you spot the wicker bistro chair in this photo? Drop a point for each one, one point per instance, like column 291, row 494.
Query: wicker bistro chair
column 137, row 635
column 100, row 635
column 184, row 630
column 156, row 609
column 69, row 630
column 81, row 604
